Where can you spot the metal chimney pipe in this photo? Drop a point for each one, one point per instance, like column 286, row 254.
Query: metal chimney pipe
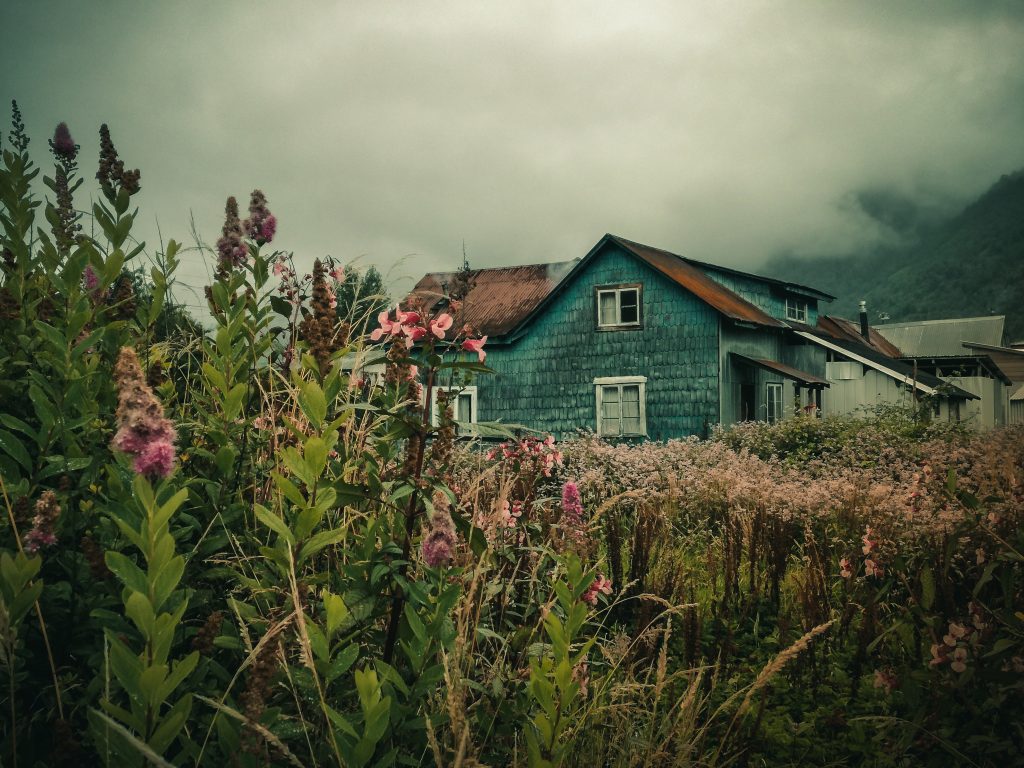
column 865, row 331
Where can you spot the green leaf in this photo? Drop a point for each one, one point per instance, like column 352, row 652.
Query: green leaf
column 315, row 453
column 12, row 446
column 138, row 608
column 318, row 541
column 171, row 724
column 336, row 611
column 273, row 522
column 313, row 403
column 167, row 580
column 127, row 571
column 927, row 588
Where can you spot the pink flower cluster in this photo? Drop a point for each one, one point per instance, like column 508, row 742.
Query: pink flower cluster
column 43, row 533
column 439, row 542
column 958, row 640
column 142, row 430
column 413, row 328
column 601, row 585
column 529, row 453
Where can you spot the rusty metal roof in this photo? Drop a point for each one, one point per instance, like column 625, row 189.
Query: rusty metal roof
column 680, row 271
column 499, row 299
column 848, row 330
column 801, row 377
column 502, row 299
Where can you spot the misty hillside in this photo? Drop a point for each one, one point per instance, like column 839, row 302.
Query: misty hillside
column 968, row 265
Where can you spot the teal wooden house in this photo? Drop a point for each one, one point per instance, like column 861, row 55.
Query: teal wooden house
column 635, row 342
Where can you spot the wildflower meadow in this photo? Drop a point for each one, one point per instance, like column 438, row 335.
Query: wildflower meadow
column 262, row 538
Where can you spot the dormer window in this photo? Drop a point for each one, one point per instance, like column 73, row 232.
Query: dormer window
column 796, row 309
column 618, row 306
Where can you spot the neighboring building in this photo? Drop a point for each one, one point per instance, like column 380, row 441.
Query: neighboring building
column 636, row 342
column 965, row 352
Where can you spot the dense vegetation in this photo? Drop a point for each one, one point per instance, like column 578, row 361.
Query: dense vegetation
column 240, row 547
column 968, row 265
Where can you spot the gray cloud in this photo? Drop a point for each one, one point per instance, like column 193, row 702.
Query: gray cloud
column 379, row 131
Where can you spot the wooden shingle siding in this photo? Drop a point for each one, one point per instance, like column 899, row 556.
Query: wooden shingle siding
column 768, row 298
column 545, row 379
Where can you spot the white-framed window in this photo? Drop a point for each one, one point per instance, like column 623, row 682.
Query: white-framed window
column 463, row 403
column 621, row 405
column 796, row 310
column 773, row 402
column 618, row 306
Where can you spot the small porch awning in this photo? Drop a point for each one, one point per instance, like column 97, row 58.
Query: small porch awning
column 800, row 377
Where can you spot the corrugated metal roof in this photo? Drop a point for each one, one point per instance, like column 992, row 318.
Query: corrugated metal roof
column 1019, row 394
column 699, row 284
column 499, row 299
column 944, row 337
column 807, row 379
column 841, row 328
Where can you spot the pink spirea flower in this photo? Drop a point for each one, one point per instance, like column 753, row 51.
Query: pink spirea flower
column 155, row 460
column 62, row 145
column 439, row 542
column 142, row 430
column 43, row 534
column 476, row 345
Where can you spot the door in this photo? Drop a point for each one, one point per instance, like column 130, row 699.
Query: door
column 748, row 402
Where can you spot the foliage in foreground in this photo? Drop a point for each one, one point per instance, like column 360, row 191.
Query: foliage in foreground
column 248, row 548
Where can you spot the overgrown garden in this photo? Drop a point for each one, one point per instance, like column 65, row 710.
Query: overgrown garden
column 242, row 546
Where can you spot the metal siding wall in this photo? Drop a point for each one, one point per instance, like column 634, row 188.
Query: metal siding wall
column 545, row 380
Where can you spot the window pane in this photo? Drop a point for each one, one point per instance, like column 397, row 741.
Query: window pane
column 464, row 408
column 631, row 404
column 631, row 426
column 606, row 305
column 629, row 306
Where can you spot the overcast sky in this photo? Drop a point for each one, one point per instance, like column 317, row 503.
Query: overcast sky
column 389, row 132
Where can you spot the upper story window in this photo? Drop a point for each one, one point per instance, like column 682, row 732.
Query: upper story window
column 621, row 406
column 618, row 306
column 796, row 309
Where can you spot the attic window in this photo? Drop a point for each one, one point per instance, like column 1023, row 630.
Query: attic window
column 796, row 310
column 618, row 306
column 621, row 406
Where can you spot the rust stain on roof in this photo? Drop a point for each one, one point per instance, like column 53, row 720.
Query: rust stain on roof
column 699, row 284
column 847, row 330
column 498, row 300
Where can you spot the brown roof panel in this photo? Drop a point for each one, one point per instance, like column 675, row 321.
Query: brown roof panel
column 699, row 284
column 499, row 299
column 801, row 377
column 848, row 330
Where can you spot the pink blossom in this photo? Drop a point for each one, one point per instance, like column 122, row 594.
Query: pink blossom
column 886, row 679
column 871, row 568
column 844, row 568
column 869, row 543
column 438, row 544
column 600, row 585
column 386, row 326
column 338, row 274
column 476, row 345
column 959, row 660
column 155, row 460
column 441, row 324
